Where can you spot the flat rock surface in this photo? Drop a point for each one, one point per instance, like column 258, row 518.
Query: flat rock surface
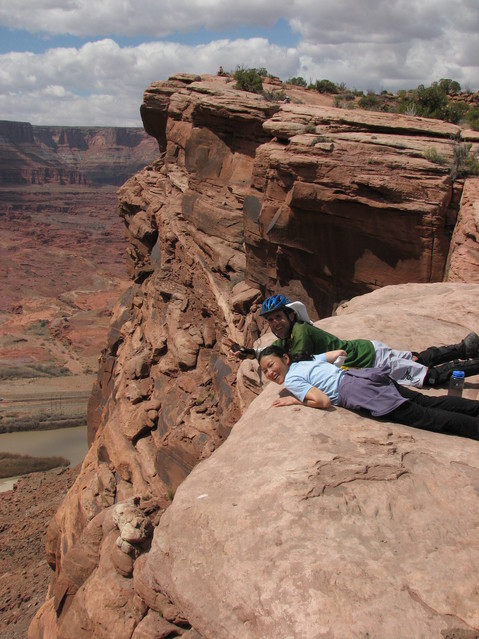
column 325, row 524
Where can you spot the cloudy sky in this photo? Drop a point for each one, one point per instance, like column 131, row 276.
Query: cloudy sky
column 87, row 62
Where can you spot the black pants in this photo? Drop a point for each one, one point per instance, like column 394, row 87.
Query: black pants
column 443, row 414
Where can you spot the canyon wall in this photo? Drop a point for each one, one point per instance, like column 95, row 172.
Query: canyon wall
column 62, row 251
column 250, row 196
column 71, row 155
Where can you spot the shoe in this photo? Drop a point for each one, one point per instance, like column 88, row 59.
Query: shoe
column 470, row 345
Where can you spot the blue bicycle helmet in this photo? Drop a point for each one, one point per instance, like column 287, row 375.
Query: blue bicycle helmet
column 274, row 303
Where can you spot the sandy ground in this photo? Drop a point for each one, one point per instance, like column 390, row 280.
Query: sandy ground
column 24, row 572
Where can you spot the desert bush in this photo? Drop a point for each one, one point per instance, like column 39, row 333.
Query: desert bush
column 40, row 327
column 455, row 112
column 431, row 101
column 433, row 155
column 472, row 117
column 341, row 103
column 31, row 424
column 449, row 87
column 434, row 101
column 274, row 96
column 466, row 161
column 297, row 81
column 371, row 101
column 249, row 79
column 326, row 86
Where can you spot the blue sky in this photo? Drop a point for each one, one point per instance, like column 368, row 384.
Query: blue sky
column 85, row 62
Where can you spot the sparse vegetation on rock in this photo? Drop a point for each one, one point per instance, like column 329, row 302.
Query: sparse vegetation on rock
column 466, row 161
column 433, row 155
column 442, row 100
column 297, row 81
column 249, row 79
column 325, row 86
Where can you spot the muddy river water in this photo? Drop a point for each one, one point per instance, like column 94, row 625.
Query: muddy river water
column 64, row 442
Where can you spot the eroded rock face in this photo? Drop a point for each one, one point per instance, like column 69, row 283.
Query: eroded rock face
column 463, row 264
column 312, row 523
column 243, row 199
column 71, row 155
column 62, row 251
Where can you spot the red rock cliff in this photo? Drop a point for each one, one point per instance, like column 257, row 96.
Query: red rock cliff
column 70, row 155
column 248, row 196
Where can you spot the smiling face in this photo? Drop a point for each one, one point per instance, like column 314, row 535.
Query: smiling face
column 280, row 323
column 275, row 368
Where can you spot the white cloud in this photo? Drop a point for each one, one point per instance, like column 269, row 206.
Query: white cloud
column 153, row 18
column 365, row 44
column 104, row 73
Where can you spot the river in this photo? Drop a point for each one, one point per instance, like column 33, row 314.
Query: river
column 63, row 442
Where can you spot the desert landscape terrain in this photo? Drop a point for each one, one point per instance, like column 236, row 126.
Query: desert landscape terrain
column 249, row 195
column 62, row 264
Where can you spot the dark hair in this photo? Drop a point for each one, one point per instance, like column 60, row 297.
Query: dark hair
column 272, row 350
column 279, row 352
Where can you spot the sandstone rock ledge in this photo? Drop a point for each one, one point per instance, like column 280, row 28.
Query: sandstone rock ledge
column 323, row 524
column 306, row 524
column 302, row 524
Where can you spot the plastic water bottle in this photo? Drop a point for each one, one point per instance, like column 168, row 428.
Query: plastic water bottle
column 456, row 384
column 339, row 361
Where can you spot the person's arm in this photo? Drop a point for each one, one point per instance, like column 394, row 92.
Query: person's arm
column 331, row 356
column 314, row 399
column 240, row 352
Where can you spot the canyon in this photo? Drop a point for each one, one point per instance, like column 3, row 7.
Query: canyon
column 201, row 512
column 62, row 263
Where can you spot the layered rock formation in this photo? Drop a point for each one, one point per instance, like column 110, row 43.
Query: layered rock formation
column 70, row 155
column 463, row 261
column 250, row 196
column 326, row 524
column 62, row 251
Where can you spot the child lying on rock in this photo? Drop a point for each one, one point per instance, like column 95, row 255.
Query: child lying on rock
column 315, row 381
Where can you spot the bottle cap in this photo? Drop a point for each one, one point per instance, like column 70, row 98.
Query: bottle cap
column 458, row 374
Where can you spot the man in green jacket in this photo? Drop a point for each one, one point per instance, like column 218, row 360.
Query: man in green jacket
column 296, row 333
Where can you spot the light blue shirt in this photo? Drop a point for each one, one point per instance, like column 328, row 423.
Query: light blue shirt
column 302, row 376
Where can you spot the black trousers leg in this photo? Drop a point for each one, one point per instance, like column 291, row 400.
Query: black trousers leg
column 443, row 414
column 454, row 404
column 440, row 354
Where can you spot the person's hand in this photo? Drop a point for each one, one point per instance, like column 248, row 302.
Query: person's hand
column 240, row 352
column 232, row 346
column 286, row 401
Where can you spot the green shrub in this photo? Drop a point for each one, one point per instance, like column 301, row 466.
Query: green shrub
column 274, row 96
column 455, row 112
column 340, row 102
column 297, row 81
column 249, row 79
column 326, row 86
column 466, row 161
column 472, row 117
column 371, row 101
column 434, row 156
column 449, row 87
column 434, row 101
column 431, row 101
